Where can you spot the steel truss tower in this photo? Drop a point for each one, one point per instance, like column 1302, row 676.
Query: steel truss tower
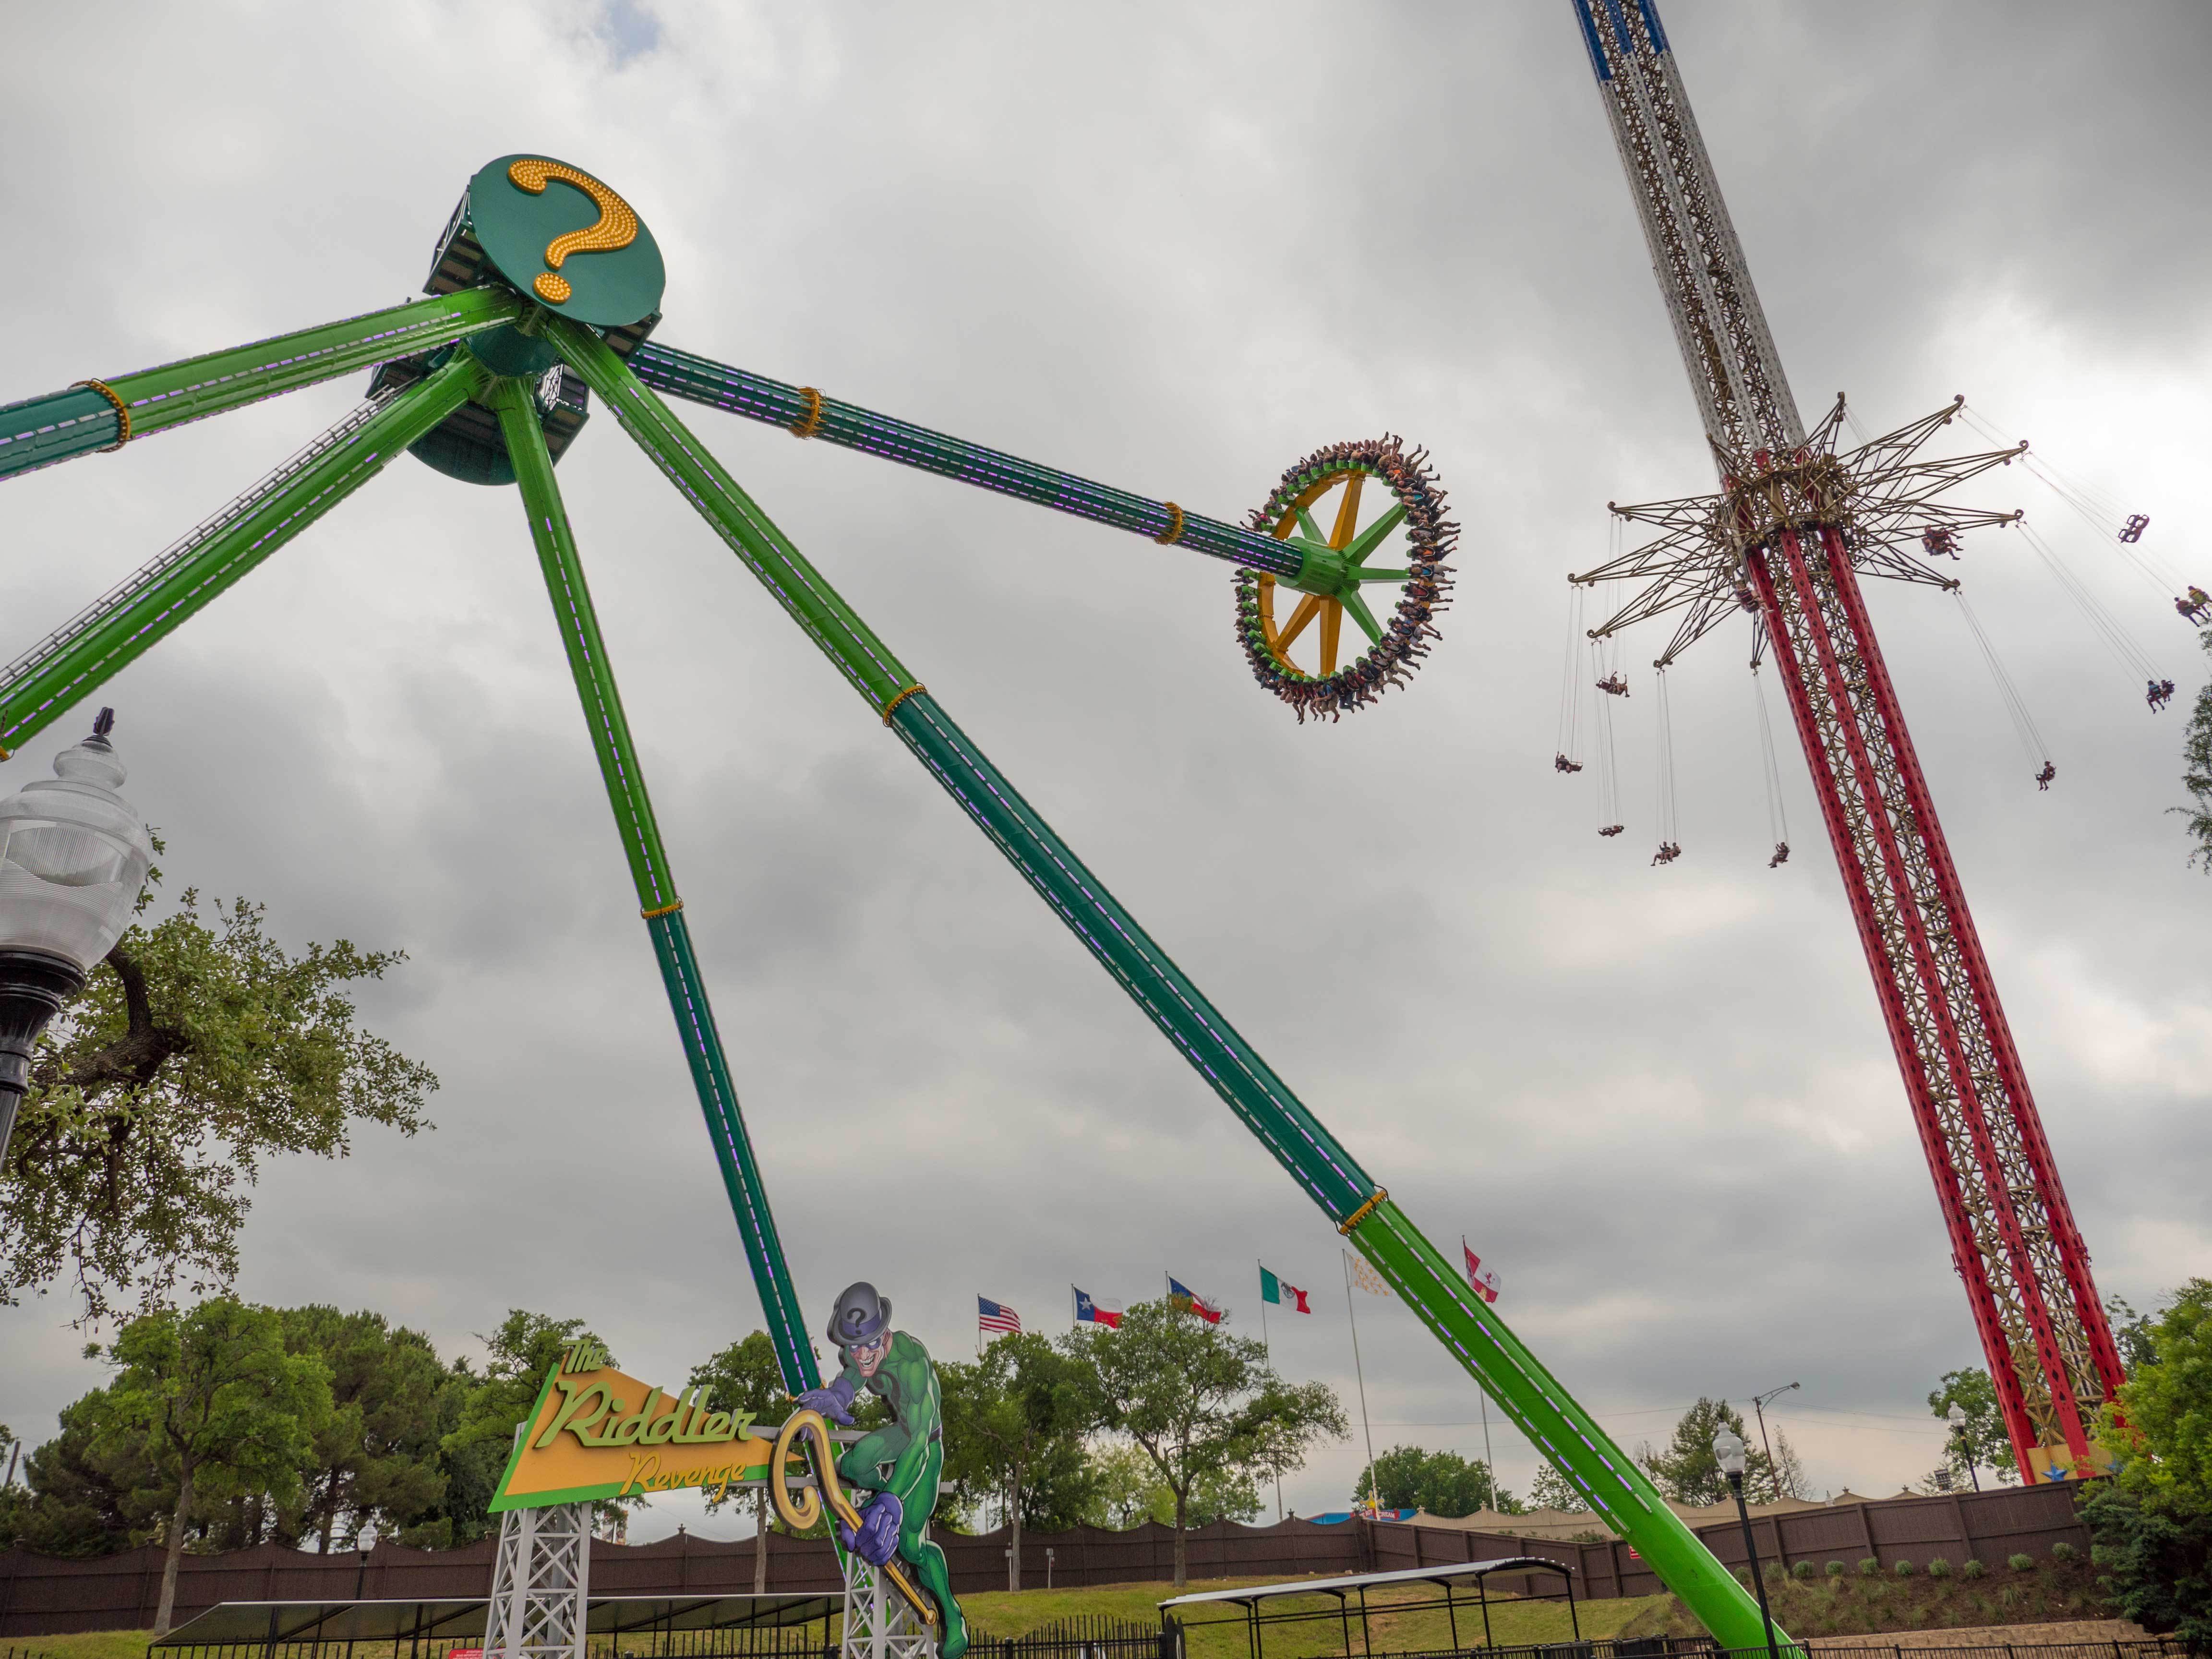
column 1793, row 528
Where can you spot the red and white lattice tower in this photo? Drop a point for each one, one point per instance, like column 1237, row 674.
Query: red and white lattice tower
column 1793, row 527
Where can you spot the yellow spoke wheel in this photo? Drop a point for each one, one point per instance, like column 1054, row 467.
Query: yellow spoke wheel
column 1280, row 627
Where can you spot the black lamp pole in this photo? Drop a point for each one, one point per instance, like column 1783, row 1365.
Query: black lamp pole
column 34, row 986
column 1727, row 1452
column 1957, row 1419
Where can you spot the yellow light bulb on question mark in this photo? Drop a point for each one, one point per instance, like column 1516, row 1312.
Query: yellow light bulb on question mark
column 615, row 227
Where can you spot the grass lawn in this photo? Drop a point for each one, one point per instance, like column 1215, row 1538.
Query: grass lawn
column 1004, row 1614
column 89, row 1645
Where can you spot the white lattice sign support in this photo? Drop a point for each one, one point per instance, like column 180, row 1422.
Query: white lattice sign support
column 878, row 1622
column 540, row 1580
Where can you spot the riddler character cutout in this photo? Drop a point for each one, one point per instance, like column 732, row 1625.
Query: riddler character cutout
column 899, row 1463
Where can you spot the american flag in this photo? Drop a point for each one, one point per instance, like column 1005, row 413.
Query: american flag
column 996, row 1317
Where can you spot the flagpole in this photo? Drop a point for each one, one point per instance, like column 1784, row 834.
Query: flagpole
column 1482, row 1397
column 1270, row 1352
column 1373, row 1497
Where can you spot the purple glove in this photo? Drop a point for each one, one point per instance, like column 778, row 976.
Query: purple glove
column 834, row 1402
column 875, row 1540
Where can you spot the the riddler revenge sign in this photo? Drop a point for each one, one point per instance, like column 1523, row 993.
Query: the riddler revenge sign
column 597, row 1433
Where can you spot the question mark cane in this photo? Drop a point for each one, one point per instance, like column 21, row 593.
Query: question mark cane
column 799, row 1513
column 616, row 229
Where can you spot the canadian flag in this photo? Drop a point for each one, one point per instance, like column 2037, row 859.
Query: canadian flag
column 1485, row 1279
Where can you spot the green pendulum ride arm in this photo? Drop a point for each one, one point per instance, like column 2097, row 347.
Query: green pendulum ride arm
column 41, row 685
column 656, row 886
column 1470, row 1327
column 96, row 415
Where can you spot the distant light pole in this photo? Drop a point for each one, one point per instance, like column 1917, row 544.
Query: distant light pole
column 73, row 856
column 1727, row 1451
column 1957, row 1419
column 1048, row 1566
column 1759, row 1404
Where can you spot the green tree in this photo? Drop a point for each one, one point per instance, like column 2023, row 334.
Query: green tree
column 1014, row 1422
column 1441, row 1482
column 221, row 1407
column 2196, row 770
column 376, row 1457
column 196, row 1050
column 1974, row 1395
column 2152, row 1520
column 2131, row 1334
column 86, row 1494
column 1553, row 1490
column 1125, row 1489
column 1203, row 1403
column 746, row 1377
column 1687, row 1472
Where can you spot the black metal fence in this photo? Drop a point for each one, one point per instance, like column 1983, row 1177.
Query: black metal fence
column 1089, row 1637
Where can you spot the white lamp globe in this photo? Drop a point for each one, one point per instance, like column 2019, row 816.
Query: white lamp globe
column 73, row 856
column 1727, row 1451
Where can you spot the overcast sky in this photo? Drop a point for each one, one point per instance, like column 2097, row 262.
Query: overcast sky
column 1172, row 248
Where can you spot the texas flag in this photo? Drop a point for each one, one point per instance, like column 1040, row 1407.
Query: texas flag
column 1282, row 1292
column 1485, row 1279
column 1090, row 1310
column 1183, row 1299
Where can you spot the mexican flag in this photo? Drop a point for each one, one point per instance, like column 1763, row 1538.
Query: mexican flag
column 1273, row 1290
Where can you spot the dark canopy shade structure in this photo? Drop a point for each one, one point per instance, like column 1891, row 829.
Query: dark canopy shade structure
column 274, row 1623
column 1251, row 1602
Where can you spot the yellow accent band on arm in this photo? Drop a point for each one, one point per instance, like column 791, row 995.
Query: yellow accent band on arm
column 1364, row 1212
column 1174, row 533
column 122, row 414
column 811, row 422
column 891, row 707
column 664, row 910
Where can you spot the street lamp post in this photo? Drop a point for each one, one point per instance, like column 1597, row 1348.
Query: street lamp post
column 1727, row 1451
column 73, row 856
column 1957, row 1419
column 1759, row 1404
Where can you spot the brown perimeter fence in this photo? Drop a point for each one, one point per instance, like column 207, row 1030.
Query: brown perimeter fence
column 42, row 1594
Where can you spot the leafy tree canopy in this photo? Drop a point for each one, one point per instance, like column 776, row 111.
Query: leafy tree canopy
column 1014, row 1422
column 2152, row 1520
column 1441, row 1482
column 1687, row 1472
column 374, row 1460
column 1202, row 1402
column 1553, row 1490
column 196, row 1050
column 220, row 1406
column 2197, row 771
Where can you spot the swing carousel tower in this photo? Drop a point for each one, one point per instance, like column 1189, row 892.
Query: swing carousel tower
column 1787, row 537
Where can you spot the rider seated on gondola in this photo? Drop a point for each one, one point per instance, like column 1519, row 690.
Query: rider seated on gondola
column 1781, row 855
column 2043, row 778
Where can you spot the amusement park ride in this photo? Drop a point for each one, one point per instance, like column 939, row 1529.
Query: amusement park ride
column 542, row 294
column 1794, row 527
